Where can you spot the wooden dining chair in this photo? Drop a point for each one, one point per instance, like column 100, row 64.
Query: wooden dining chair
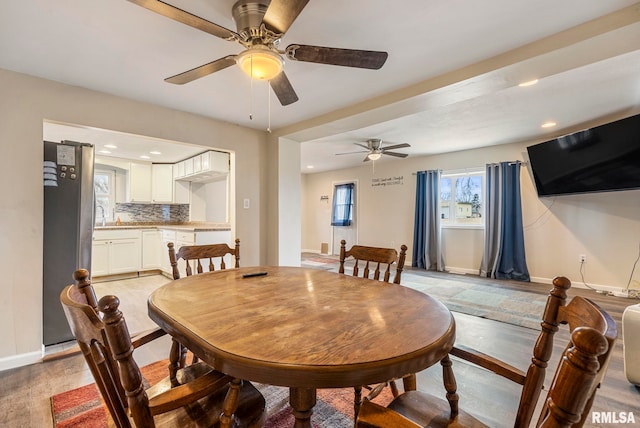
column 194, row 255
column 570, row 396
column 374, row 259
column 377, row 264
column 194, row 396
column 191, row 258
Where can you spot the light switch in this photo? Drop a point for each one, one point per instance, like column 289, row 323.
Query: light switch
column 246, row 203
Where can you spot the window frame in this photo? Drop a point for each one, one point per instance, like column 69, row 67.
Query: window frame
column 334, row 206
column 453, row 175
column 109, row 214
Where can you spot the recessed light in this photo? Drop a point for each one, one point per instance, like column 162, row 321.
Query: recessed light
column 155, row 152
column 105, row 152
column 309, row 166
column 548, row 124
column 144, row 157
column 111, row 146
column 528, row 83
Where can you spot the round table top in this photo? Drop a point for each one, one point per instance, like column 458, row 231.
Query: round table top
column 302, row 327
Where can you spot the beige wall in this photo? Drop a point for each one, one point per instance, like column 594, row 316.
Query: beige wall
column 603, row 226
column 26, row 101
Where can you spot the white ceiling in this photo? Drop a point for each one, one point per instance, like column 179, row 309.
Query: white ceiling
column 450, row 82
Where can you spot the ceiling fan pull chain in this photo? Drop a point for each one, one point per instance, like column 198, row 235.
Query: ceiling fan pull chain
column 269, row 107
column 251, row 90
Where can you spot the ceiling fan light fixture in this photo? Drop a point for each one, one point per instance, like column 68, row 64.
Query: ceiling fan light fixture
column 374, row 156
column 260, row 63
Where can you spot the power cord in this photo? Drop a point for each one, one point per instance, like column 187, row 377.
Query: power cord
column 633, row 268
column 583, row 281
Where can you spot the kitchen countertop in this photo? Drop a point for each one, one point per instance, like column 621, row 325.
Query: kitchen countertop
column 195, row 226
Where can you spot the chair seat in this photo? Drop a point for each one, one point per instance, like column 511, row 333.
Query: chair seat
column 413, row 405
column 206, row 411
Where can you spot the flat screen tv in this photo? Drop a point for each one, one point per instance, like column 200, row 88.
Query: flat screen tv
column 600, row 159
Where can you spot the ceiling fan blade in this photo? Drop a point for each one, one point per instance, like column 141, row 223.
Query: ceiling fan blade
column 187, row 18
column 363, row 146
column 203, row 70
column 281, row 14
column 283, row 89
column 350, row 153
column 398, row 155
column 397, row 146
column 335, row 56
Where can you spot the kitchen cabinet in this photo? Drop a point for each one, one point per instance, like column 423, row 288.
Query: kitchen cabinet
column 161, row 183
column 167, row 236
column 179, row 239
column 115, row 251
column 178, row 170
column 154, row 183
column 139, row 182
column 181, row 192
column 151, row 249
column 206, row 167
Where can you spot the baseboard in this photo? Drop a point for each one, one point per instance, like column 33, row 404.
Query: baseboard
column 460, row 271
column 21, row 360
column 312, row 251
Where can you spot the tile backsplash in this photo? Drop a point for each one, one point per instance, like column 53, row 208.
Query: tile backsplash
column 169, row 213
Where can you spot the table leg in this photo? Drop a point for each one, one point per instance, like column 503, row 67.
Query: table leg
column 302, row 401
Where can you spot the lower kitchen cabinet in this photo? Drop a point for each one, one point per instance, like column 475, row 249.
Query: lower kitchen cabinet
column 115, row 251
column 151, row 249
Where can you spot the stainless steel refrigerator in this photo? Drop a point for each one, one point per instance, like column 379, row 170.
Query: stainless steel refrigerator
column 68, row 227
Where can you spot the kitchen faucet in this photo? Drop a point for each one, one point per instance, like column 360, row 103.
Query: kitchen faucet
column 104, row 218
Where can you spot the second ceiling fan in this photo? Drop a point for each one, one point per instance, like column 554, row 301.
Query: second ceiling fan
column 375, row 150
column 260, row 25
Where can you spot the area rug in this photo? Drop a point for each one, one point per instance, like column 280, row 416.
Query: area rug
column 83, row 407
column 486, row 299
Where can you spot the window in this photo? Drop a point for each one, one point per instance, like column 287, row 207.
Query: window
column 104, row 194
column 342, row 214
column 462, row 198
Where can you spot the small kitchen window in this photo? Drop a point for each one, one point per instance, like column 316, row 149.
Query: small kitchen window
column 104, row 194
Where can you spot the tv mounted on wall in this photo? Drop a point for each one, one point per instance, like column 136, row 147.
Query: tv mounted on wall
column 600, row 159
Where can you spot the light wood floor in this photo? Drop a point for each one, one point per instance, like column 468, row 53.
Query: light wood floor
column 25, row 391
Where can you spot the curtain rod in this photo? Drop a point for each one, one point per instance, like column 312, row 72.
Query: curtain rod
column 523, row 163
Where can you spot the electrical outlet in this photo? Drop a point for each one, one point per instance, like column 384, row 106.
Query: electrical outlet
column 582, row 258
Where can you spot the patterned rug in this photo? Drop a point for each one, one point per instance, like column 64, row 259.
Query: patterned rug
column 83, row 407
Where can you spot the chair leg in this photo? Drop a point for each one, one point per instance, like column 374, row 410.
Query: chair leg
column 410, row 382
column 230, row 404
column 450, row 385
column 175, row 361
column 357, row 401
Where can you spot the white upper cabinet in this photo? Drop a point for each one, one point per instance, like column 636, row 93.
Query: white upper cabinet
column 206, row 167
column 139, row 182
column 161, row 183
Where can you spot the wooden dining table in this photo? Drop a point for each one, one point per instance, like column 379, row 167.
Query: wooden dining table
column 304, row 328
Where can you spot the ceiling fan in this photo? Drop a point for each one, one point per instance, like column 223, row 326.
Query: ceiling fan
column 260, row 26
column 375, row 150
